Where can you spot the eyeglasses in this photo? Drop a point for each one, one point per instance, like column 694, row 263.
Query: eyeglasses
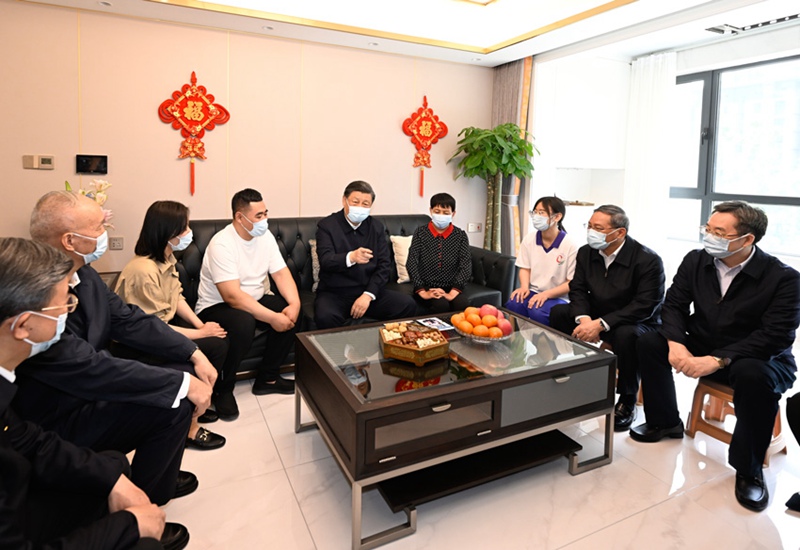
column 705, row 230
column 588, row 226
column 71, row 305
column 543, row 213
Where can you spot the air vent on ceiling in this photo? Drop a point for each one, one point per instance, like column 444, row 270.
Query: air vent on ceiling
column 730, row 29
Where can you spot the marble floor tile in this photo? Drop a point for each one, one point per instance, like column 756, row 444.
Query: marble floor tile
column 253, row 513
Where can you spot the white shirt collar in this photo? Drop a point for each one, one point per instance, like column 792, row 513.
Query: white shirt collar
column 75, row 280
column 7, row 374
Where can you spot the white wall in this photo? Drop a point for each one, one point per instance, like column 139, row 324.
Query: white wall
column 306, row 119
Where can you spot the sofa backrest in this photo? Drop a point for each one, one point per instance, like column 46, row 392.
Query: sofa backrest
column 292, row 235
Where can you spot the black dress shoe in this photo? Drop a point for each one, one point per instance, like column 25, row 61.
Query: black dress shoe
column 226, row 406
column 205, row 440
column 794, row 502
column 624, row 415
column 281, row 385
column 751, row 492
column 647, row 433
column 208, row 417
column 175, row 536
column 187, row 483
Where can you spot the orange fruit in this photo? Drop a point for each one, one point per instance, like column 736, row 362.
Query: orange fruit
column 489, row 320
column 481, row 330
column 471, row 311
column 495, row 332
column 456, row 319
column 474, row 319
column 465, row 326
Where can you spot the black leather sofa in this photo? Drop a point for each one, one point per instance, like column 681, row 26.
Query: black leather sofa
column 492, row 273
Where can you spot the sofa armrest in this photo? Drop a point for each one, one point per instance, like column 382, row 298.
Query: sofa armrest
column 493, row 270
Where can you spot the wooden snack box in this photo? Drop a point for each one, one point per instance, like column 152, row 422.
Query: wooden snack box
column 412, row 353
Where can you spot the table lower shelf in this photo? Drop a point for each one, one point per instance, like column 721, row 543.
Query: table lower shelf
column 444, row 479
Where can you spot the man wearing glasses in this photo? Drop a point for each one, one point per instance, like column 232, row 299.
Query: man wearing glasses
column 746, row 308
column 615, row 297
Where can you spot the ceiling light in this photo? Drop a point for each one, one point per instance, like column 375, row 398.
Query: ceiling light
column 105, row 4
column 481, row 2
column 268, row 28
column 372, row 44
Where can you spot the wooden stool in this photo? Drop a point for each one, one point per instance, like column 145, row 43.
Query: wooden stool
column 720, row 405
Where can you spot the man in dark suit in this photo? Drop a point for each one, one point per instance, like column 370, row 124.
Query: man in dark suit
column 52, row 493
column 87, row 396
column 615, row 297
column 354, row 265
column 746, row 308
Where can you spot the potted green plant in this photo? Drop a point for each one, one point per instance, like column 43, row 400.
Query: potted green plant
column 505, row 150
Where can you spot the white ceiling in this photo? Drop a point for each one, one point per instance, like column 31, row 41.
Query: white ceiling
column 461, row 31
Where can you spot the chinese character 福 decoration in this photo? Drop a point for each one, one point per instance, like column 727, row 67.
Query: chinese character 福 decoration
column 425, row 129
column 192, row 111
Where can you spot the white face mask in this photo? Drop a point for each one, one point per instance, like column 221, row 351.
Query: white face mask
column 540, row 223
column 597, row 240
column 717, row 247
column 183, row 242
column 357, row 214
column 259, row 228
column 39, row 347
column 99, row 249
column 441, row 221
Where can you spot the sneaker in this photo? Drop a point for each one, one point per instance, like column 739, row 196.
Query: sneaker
column 225, row 405
column 281, row 385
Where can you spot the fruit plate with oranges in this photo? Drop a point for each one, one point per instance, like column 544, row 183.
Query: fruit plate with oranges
column 484, row 325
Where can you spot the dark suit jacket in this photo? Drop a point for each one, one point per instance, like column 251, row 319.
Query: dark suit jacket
column 335, row 239
column 29, row 455
column 630, row 293
column 78, row 368
column 756, row 318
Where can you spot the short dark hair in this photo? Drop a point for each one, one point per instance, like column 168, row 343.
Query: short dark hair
column 749, row 219
column 443, row 200
column 618, row 216
column 359, row 186
column 28, row 273
column 163, row 221
column 243, row 198
column 554, row 205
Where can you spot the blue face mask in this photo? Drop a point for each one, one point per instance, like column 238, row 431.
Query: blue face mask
column 717, row 247
column 259, row 228
column 99, row 249
column 39, row 347
column 597, row 240
column 357, row 214
column 441, row 221
column 183, row 242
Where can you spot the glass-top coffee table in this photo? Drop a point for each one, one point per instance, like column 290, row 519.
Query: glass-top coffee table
column 422, row 432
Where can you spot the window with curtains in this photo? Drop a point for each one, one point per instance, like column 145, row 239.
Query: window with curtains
column 739, row 138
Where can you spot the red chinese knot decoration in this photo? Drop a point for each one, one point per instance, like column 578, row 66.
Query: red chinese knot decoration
column 425, row 129
column 192, row 111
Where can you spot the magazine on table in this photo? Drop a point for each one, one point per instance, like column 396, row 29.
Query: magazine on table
column 435, row 323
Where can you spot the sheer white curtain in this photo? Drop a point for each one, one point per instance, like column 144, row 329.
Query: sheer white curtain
column 648, row 158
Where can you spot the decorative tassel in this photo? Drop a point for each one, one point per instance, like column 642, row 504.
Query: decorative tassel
column 421, row 182
column 191, row 178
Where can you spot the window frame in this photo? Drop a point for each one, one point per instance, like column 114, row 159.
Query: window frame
column 708, row 132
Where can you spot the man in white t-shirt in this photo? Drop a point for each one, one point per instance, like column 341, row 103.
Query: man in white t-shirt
column 235, row 292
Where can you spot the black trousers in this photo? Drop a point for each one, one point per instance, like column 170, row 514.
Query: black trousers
column 442, row 305
column 757, row 388
column 793, row 415
column 332, row 309
column 51, row 514
column 158, row 435
column 623, row 340
column 216, row 349
column 241, row 327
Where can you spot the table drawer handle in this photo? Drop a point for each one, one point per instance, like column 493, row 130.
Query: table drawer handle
column 387, row 459
column 441, row 408
column 484, row 432
column 561, row 379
